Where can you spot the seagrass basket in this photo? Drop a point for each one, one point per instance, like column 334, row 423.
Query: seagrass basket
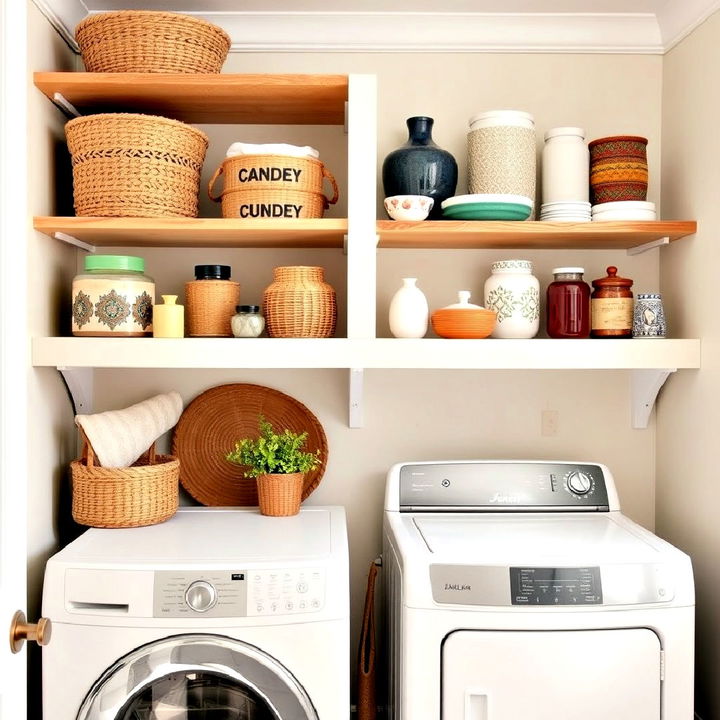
column 145, row 493
column 131, row 165
column 209, row 307
column 147, row 41
column 280, row 495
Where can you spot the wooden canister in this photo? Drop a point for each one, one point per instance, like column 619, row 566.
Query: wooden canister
column 210, row 301
column 611, row 306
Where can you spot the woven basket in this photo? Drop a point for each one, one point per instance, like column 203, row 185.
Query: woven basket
column 209, row 307
column 144, row 494
column 273, row 204
column 151, row 42
column 299, row 303
column 128, row 165
column 280, row 495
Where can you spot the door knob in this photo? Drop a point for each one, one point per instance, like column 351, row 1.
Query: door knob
column 21, row 630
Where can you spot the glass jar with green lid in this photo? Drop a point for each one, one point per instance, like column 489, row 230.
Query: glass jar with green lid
column 112, row 297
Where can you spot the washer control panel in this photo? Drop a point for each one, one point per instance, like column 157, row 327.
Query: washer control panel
column 238, row 593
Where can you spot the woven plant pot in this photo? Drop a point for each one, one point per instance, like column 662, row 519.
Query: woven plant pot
column 618, row 169
column 300, row 304
column 280, row 495
column 130, row 165
column 147, row 41
column 145, row 493
column 209, row 307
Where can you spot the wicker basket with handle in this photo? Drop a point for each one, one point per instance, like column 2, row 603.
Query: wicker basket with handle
column 145, row 493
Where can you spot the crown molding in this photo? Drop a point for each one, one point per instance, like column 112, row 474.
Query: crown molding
column 678, row 19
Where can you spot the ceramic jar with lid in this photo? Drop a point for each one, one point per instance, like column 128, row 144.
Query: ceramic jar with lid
column 565, row 166
column 513, row 292
column 568, row 304
column 612, row 306
column 211, row 300
column 247, row 321
column 113, row 297
column 501, row 153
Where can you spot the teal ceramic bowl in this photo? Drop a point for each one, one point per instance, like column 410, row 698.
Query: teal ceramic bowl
column 487, row 207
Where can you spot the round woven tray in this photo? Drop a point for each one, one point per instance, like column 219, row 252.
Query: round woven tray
column 216, row 419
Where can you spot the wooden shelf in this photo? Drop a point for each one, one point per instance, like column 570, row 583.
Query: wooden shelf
column 219, row 99
column 384, row 353
column 197, row 232
column 454, row 234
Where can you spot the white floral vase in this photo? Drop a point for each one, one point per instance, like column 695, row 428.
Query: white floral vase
column 409, row 311
column 513, row 292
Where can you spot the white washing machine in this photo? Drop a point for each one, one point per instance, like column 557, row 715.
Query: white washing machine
column 519, row 590
column 217, row 613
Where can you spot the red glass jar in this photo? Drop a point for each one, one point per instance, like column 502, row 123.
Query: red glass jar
column 568, row 304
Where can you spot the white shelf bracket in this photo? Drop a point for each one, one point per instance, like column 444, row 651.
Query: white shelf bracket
column 648, row 246
column 79, row 382
column 645, row 386
column 345, row 127
column 70, row 240
column 355, row 413
column 65, row 105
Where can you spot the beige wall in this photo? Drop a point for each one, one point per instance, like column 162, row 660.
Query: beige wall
column 688, row 492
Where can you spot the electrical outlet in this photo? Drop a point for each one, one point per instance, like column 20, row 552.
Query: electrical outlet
column 549, row 422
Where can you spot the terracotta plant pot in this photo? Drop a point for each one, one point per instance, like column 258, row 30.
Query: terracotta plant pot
column 279, row 495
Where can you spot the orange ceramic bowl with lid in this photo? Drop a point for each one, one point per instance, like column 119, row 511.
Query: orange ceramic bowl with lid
column 463, row 320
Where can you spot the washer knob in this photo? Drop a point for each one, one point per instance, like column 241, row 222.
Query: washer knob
column 579, row 483
column 200, row 596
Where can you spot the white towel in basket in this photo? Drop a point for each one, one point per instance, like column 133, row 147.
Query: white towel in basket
column 120, row 437
column 241, row 148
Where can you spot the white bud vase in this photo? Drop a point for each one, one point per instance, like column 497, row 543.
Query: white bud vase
column 409, row 311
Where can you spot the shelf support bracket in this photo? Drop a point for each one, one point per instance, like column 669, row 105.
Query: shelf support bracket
column 648, row 246
column 79, row 382
column 70, row 240
column 65, row 105
column 355, row 413
column 645, row 386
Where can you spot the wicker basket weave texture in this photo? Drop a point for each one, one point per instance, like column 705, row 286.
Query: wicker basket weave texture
column 151, row 42
column 299, row 303
column 209, row 307
column 144, row 494
column 261, row 204
column 131, row 165
column 280, row 495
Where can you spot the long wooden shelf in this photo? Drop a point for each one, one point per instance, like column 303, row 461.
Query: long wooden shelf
column 219, row 99
column 456, row 234
column 197, row 232
column 384, row 353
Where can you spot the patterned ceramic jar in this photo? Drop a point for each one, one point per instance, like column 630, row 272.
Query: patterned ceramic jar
column 618, row 169
column 513, row 292
column 501, row 153
column 113, row 297
column 649, row 316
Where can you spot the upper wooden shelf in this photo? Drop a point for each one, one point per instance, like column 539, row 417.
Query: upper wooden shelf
column 218, row 99
column 448, row 234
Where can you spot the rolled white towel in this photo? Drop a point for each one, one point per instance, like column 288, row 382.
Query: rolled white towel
column 241, row 148
column 120, row 437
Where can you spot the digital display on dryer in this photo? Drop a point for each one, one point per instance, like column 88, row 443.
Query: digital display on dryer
column 556, row 586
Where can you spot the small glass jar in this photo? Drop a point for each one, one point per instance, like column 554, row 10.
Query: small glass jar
column 611, row 306
column 247, row 321
column 113, row 298
column 568, row 304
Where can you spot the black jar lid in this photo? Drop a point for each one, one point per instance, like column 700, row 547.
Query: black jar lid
column 247, row 308
column 212, row 272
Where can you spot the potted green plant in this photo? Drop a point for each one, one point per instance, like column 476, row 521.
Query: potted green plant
column 278, row 463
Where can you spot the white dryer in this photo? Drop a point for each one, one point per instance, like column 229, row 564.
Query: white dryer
column 217, row 613
column 519, row 590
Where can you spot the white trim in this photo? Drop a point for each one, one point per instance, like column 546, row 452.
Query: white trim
column 64, row 15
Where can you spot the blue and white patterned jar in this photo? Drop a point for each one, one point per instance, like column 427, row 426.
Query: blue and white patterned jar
column 649, row 316
column 513, row 292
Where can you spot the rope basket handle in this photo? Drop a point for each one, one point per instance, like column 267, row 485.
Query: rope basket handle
column 213, row 180
column 327, row 174
column 88, row 454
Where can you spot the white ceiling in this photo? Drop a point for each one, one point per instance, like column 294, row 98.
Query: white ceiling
column 599, row 26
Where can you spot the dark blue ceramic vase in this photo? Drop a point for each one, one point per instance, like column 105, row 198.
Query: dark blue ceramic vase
column 420, row 167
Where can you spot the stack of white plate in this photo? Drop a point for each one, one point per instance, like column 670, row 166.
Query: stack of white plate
column 627, row 210
column 565, row 211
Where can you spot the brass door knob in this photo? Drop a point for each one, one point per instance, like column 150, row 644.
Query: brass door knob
column 21, row 630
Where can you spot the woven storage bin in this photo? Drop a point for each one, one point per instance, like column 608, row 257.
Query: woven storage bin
column 299, row 303
column 128, row 165
column 144, row 494
column 151, row 42
column 209, row 307
column 280, row 495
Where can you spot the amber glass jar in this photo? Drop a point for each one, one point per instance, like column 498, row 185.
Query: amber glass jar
column 612, row 306
column 568, row 304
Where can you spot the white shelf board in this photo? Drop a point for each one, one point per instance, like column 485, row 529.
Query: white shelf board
column 388, row 353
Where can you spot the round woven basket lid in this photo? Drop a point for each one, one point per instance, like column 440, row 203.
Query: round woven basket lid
column 216, row 419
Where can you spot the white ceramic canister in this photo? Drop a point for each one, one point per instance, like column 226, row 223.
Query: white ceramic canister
column 513, row 292
column 501, row 153
column 409, row 311
column 565, row 166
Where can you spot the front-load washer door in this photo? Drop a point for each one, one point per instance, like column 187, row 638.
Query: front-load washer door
column 551, row 675
column 197, row 677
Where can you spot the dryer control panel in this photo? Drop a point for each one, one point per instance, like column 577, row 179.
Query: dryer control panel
column 238, row 593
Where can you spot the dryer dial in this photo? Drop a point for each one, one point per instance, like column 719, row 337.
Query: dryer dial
column 200, row 596
column 579, row 482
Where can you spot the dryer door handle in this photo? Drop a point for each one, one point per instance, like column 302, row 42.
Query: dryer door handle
column 476, row 705
column 21, row 630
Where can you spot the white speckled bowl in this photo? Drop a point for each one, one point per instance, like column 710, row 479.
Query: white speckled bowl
column 408, row 207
